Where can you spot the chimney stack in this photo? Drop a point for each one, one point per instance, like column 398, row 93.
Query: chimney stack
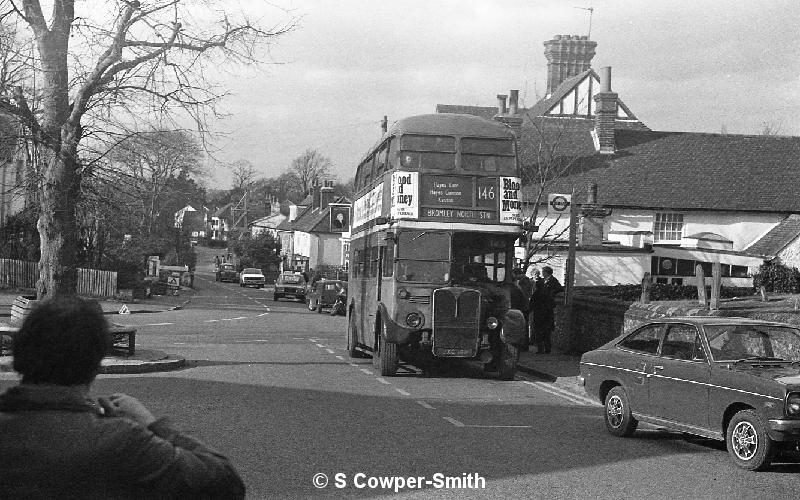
column 605, row 114
column 384, row 124
column 567, row 56
column 509, row 117
column 326, row 195
column 315, row 190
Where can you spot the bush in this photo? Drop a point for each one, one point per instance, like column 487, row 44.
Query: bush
column 662, row 291
column 776, row 277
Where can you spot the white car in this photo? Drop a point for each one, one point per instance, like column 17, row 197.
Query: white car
column 250, row 276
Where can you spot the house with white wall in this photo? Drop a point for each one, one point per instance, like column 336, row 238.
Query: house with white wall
column 317, row 239
column 666, row 201
column 193, row 219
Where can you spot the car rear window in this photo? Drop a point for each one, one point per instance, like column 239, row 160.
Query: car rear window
column 292, row 278
column 646, row 339
column 251, row 270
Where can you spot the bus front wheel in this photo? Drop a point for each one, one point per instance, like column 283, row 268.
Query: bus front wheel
column 384, row 356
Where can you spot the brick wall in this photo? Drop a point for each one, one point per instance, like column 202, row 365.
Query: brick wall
column 596, row 320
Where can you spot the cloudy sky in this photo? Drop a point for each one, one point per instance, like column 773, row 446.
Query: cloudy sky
column 683, row 65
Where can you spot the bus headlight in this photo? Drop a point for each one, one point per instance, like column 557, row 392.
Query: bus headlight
column 402, row 293
column 492, row 323
column 793, row 404
column 415, row 320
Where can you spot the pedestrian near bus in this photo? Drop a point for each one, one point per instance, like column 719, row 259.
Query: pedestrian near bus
column 526, row 287
column 57, row 441
column 543, row 304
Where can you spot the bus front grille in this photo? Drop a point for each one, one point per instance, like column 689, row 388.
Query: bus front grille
column 456, row 317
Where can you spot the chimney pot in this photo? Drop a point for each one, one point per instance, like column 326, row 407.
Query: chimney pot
column 605, row 79
column 501, row 104
column 513, row 102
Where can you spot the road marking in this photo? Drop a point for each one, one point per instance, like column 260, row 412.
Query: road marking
column 240, row 317
column 157, row 324
column 461, row 424
column 425, row 405
column 562, row 393
column 211, row 321
column 330, row 351
column 453, row 421
column 320, row 346
column 382, row 380
column 179, row 343
column 264, row 314
column 366, row 371
column 353, row 364
column 401, row 391
column 340, row 358
column 249, row 341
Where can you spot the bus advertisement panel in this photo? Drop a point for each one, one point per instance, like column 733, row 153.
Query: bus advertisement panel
column 456, row 198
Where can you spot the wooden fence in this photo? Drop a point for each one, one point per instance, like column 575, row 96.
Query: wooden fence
column 91, row 282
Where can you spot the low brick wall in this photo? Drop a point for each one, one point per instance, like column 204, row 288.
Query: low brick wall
column 596, row 320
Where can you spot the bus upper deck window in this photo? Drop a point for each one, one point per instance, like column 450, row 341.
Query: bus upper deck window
column 488, row 155
column 428, row 151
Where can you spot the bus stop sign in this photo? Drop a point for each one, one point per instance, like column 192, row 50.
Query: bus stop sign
column 558, row 204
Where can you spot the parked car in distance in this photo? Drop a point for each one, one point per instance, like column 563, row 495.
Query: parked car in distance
column 731, row 379
column 251, row 276
column 226, row 272
column 323, row 294
column 290, row 285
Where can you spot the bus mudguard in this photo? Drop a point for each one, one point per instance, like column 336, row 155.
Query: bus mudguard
column 514, row 331
column 394, row 332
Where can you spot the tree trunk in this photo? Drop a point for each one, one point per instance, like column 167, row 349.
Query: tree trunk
column 57, row 228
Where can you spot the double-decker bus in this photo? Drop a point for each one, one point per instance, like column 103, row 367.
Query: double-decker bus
column 436, row 215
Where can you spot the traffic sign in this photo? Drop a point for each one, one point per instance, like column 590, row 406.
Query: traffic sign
column 558, row 204
column 173, row 281
column 124, row 309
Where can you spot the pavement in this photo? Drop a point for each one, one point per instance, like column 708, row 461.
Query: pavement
column 142, row 361
column 558, row 368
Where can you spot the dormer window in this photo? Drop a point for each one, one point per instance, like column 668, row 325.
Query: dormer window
column 668, row 228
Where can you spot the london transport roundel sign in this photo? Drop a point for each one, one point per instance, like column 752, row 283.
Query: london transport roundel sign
column 559, row 203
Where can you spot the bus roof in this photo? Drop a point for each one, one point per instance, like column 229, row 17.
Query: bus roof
column 451, row 124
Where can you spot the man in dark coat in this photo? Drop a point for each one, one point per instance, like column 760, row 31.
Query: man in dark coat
column 57, row 441
column 543, row 305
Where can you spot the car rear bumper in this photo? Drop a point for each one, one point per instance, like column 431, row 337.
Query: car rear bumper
column 784, row 430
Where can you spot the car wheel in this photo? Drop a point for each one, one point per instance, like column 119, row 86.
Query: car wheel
column 241, row 285
column 384, row 356
column 275, row 297
column 747, row 441
column 319, row 307
column 311, row 304
column 618, row 417
column 352, row 338
column 509, row 355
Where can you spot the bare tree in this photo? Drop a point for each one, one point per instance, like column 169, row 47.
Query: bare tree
column 545, row 156
column 771, row 127
column 310, row 168
column 244, row 175
column 101, row 72
column 142, row 165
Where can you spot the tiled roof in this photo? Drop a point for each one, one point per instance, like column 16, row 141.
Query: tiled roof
column 687, row 171
column 223, row 212
column 777, row 238
column 482, row 111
